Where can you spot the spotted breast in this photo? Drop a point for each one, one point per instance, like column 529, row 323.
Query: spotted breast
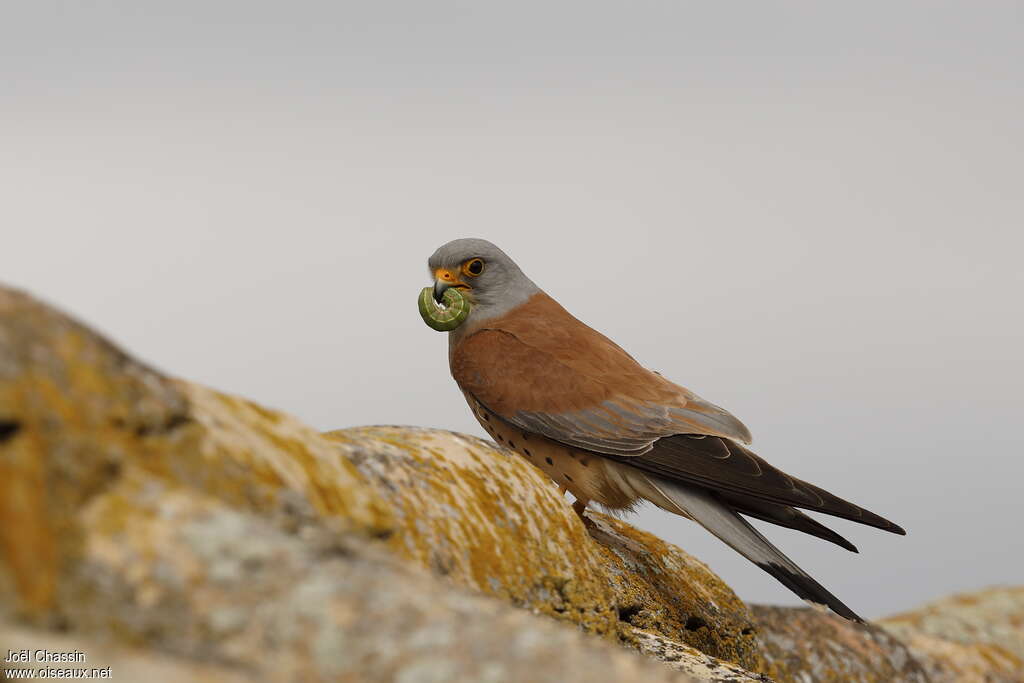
column 584, row 474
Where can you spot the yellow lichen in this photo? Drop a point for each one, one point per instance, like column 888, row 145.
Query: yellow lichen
column 489, row 520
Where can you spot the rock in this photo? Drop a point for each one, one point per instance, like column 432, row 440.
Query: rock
column 489, row 520
column 969, row 637
column 976, row 637
column 175, row 533
column 232, row 593
column 181, row 531
column 802, row 644
column 680, row 657
column 124, row 663
column 80, row 419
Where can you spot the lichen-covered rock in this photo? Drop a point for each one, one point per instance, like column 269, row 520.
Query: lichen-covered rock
column 802, row 644
column 145, row 511
column 181, row 534
column 700, row 666
column 489, row 520
column 968, row 637
column 226, row 589
column 78, row 417
column 138, row 511
column 125, row 663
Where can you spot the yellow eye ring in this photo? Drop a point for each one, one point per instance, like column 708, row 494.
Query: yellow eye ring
column 473, row 267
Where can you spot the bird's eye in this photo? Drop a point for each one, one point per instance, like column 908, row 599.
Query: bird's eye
column 473, row 267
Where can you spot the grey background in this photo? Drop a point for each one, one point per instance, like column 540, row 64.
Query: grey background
column 809, row 213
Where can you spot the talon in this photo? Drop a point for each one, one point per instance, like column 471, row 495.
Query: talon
column 579, row 507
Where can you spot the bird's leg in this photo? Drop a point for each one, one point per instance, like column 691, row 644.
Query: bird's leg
column 562, row 490
column 579, row 507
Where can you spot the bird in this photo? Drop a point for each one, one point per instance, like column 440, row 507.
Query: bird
column 610, row 431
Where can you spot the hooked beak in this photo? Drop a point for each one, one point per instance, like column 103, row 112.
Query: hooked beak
column 444, row 279
column 439, row 288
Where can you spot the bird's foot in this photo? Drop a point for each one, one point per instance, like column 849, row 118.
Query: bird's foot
column 579, row 507
column 562, row 490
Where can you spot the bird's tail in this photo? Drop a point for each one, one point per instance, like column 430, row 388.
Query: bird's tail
column 720, row 519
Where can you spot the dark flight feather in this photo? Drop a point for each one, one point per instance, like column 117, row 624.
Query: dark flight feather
column 727, row 467
column 720, row 519
column 783, row 515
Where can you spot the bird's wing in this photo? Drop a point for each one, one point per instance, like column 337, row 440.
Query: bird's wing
column 553, row 375
column 743, row 478
column 724, row 522
column 547, row 373
column 784, row 515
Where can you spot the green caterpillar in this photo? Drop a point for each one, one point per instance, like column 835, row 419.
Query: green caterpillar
column 448, row 317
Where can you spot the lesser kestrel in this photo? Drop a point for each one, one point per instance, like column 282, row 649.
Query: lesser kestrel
column 577, row 406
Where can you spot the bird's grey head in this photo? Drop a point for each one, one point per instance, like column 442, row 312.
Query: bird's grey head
column 484, row 273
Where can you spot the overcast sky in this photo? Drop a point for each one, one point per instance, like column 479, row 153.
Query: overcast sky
column 812, row 212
